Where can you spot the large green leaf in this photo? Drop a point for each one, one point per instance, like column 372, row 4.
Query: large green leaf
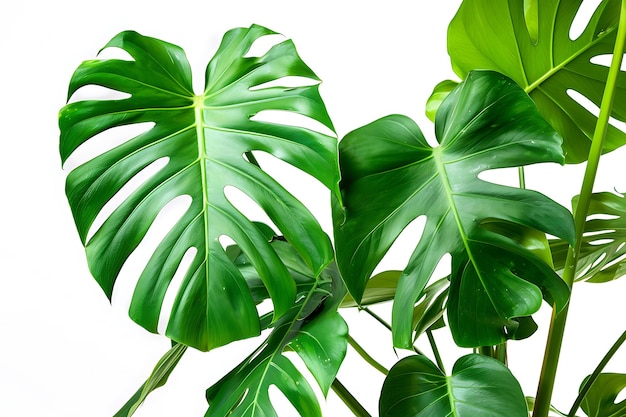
column 391, row 175
column 478, row 387
column 600, row 399
column 206, row 140
column 603, row 246
column 157, row 379
column 534, row 48
column 314, row 329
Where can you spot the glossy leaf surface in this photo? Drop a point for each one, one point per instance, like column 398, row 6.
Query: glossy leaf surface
column 312, row 328
column 600, row 399
column 203, row 143
column 157, row 379
column 478, row 387
column 534, row 48
column 603, row 246
column 391, row 175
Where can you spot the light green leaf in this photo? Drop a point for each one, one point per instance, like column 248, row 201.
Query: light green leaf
column 478, row 387
column 440, row 92
column 600, row 399
column 603, row 246
column 157, row 379
column 314, row 329
column 530, row 43
column 206, row 141
column 391, row 175
column 380, row 288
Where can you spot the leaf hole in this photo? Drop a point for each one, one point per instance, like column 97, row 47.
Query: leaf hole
column 398, row 255
column 502, row 176
column 134, row 265
column 600, row 216
column 593, row 109
column 281, row 402
column 97, row 92
column 247, row 206
column 615, row 261
column 287, row 82
column 266, row 306
column 583, row 15
column 173, row 287
column 291, row 118
column 598, row 261
column 598, row 232
column 605, row 61
column 226, row 241
column 621, row 396
column 113, row 52
column 262, row 45
column 131, row 186
column 304, row 187
column 104, row 142
column 600, row 242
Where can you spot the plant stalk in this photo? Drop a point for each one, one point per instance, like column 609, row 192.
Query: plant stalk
column 433, row 345
column 349, row 400
column 366, row 356
column 557, row 325
column 594, row 375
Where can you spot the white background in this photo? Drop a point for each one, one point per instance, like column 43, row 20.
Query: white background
column 64, row 351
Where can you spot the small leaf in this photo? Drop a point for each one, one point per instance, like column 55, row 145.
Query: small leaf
column 157, row 379
column 314, row 329
column 380, row 288
column 440, row 92
column 529, row 41
column 603, row 246
column 478, row 387
column 600, row 399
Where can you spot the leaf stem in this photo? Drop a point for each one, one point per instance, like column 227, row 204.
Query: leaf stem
column 557, row 325
column 596, row 372
column 366, row 356
column 388, row 326
column 433, row 345
column 349, row 400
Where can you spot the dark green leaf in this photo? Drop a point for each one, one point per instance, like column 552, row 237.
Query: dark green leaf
column 391, row 175
column 532, row 46
column 157, row 379
column 314, row 329
column 478, row 387
column 600, row 399
column 205, row 140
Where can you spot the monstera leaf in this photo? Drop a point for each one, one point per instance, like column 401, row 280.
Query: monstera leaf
column 312, row 328
column 529, row 42
column 206, row 141
column 600, row 399
column 391, row 176
column 478, row 387
column 603, row 246
column 157, row 379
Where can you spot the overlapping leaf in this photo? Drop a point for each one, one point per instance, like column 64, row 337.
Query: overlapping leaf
column 312, row 328
column 205, row 140
column 390, row 176
column 603, row 246
column 533, row 47
column 478, row 387
column 600, row 399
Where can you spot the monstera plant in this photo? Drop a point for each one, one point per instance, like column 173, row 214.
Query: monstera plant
column 516, row 103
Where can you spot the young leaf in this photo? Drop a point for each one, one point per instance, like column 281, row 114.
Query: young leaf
column 390, row 176
column 600, row 399
column 157, row 379
column 534, row 48
column 478, row 387
column 205, row 140
column 314, row 329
